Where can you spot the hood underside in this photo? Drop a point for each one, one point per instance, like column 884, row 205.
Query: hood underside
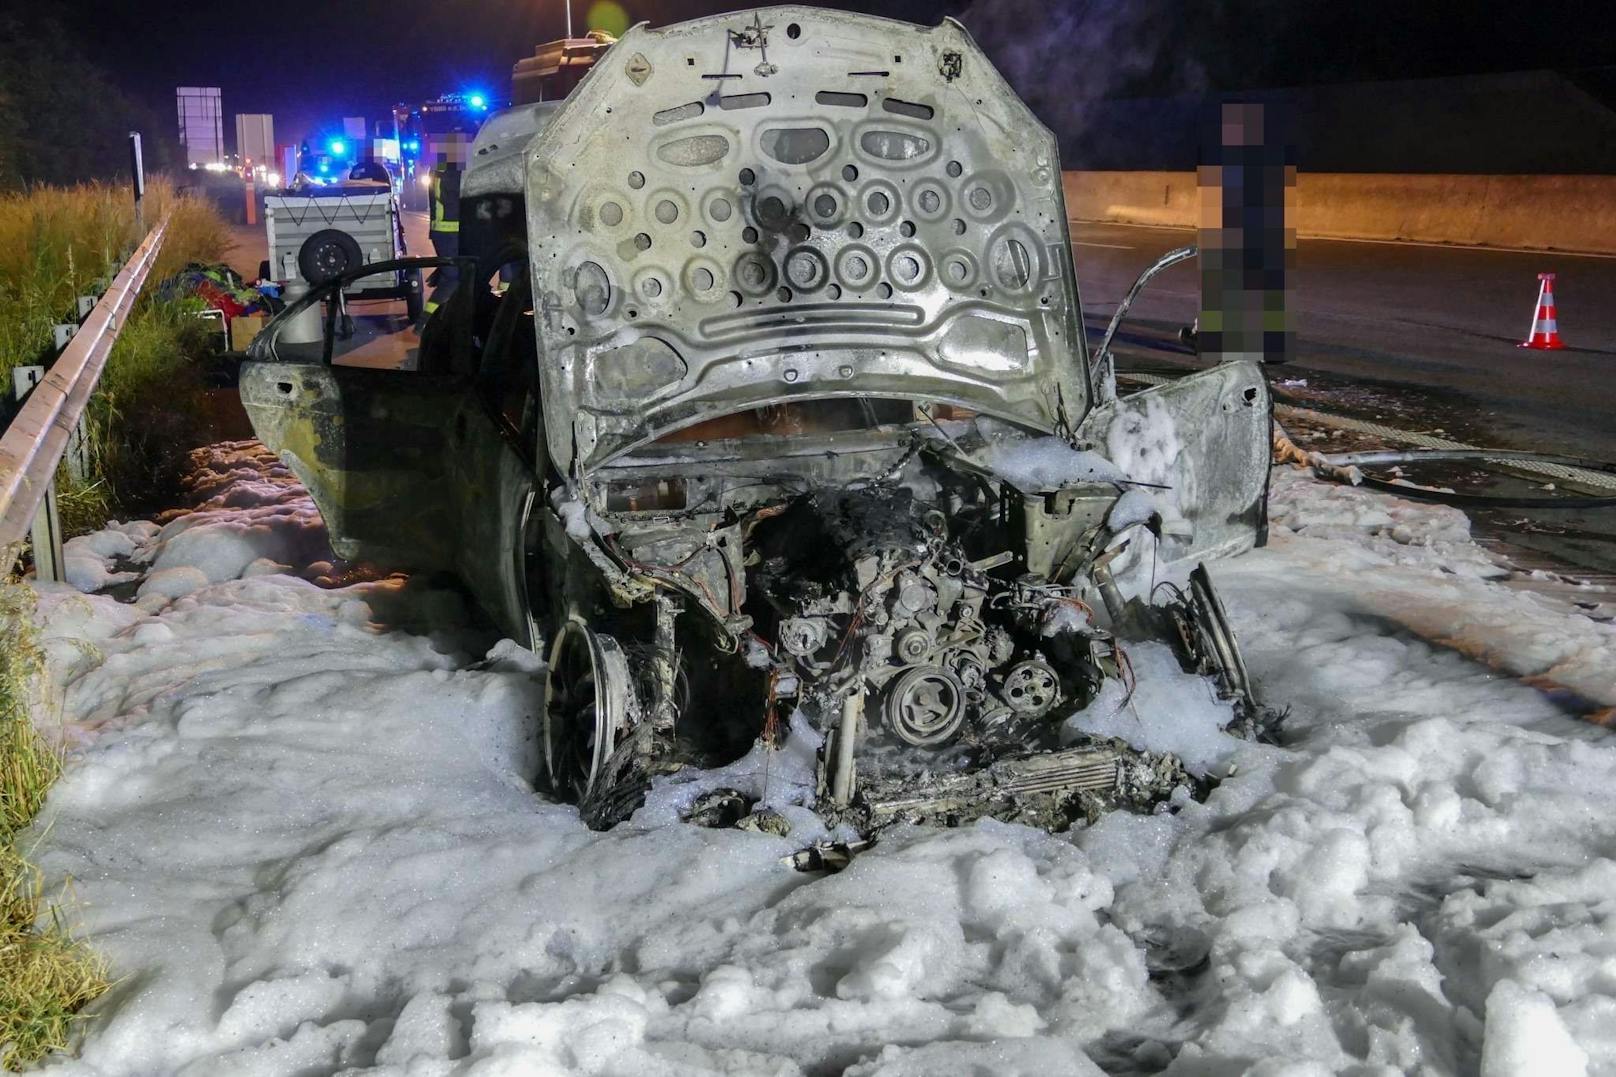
column 791, row 201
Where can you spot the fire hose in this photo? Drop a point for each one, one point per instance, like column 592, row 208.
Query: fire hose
column 1347, row 467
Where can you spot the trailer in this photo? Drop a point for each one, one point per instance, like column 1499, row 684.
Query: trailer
column 318, row 233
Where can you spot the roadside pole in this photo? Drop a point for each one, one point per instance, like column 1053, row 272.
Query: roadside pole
column 137, row 170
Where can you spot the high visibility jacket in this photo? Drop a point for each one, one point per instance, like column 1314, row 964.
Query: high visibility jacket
column 445, row 198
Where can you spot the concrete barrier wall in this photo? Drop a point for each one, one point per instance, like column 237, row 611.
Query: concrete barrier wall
column 1569, row 213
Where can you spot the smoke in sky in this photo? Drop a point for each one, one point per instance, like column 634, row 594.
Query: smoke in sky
column 1064, row 57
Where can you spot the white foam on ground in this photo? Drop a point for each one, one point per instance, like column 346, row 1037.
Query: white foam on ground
column 301, row 828
column 249, row 515
column 1167, row 710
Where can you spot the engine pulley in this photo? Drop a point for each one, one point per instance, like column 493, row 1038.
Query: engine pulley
column 912, row 644
column 925, row 706
column 1031, row 688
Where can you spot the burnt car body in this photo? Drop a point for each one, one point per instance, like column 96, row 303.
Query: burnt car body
column 788, row 406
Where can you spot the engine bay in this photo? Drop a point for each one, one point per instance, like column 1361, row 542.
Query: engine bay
column 934, row 609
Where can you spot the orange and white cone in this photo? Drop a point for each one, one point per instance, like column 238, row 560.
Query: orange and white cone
column 1545, row 335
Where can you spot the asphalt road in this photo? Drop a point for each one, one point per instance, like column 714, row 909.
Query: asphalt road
column 1429, row 332
column 1419, row 335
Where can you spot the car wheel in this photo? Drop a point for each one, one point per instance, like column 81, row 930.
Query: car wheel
column 587, row 691
column 328, row 254
column 1215, row 640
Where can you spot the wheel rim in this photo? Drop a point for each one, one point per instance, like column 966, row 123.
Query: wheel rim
column 1214, row 626
column 582, row 706
column 330, row 261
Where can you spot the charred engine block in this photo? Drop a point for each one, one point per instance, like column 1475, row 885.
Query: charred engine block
column 874, row 596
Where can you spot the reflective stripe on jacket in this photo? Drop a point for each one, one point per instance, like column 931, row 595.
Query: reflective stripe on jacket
column 445, row 199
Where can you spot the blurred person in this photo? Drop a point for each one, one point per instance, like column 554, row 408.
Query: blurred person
column 1246, row 238
column 444, row 229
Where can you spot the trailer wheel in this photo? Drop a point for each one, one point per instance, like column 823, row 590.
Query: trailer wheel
column 328, row 254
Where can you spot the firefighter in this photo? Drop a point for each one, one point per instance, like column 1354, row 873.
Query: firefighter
column 444, row 229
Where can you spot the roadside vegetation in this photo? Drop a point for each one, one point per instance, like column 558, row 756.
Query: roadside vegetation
column 62, row 120
column 62, row 117
column 149, row 410
column 46, row 975
column 57, row 243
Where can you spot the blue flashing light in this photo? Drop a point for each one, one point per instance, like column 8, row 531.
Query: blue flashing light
column 323, row 167
column 413, row 145
column 477, row 101
column 338, row 147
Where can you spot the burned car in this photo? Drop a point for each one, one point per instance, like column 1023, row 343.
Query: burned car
column 766, row 392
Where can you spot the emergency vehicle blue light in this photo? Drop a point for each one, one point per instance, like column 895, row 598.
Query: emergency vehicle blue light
column 338, row 146
column 478, row 101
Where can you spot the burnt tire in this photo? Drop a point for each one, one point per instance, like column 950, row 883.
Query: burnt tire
column 328, row 254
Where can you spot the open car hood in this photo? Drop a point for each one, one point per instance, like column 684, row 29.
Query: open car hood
column 793, row 202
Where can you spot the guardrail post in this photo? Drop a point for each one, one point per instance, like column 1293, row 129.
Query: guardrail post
column 46, row 534
column 77, row 456
column 24, row 378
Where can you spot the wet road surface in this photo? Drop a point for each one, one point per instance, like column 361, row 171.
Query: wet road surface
column 1421, row 333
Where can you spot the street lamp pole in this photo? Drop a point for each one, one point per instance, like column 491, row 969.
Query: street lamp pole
column 567, row 4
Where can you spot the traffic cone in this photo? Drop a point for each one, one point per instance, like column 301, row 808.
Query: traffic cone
column 1545, row 335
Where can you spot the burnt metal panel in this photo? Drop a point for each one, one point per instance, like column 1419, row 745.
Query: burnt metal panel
column 796, row 202
column 1205, row 441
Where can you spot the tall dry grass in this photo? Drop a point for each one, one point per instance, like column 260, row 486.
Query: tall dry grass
column 58, row 243
column 46, row 975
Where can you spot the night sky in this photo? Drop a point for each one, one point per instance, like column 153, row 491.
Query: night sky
column 312, row 62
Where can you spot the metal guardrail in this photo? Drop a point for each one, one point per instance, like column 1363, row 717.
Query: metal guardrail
column 33, row 445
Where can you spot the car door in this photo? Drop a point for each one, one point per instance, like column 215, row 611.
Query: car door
column 386, row 429
column 493, row 458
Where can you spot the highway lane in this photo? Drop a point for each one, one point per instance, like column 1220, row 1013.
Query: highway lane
column 1408, row 327
column 1435, row 326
